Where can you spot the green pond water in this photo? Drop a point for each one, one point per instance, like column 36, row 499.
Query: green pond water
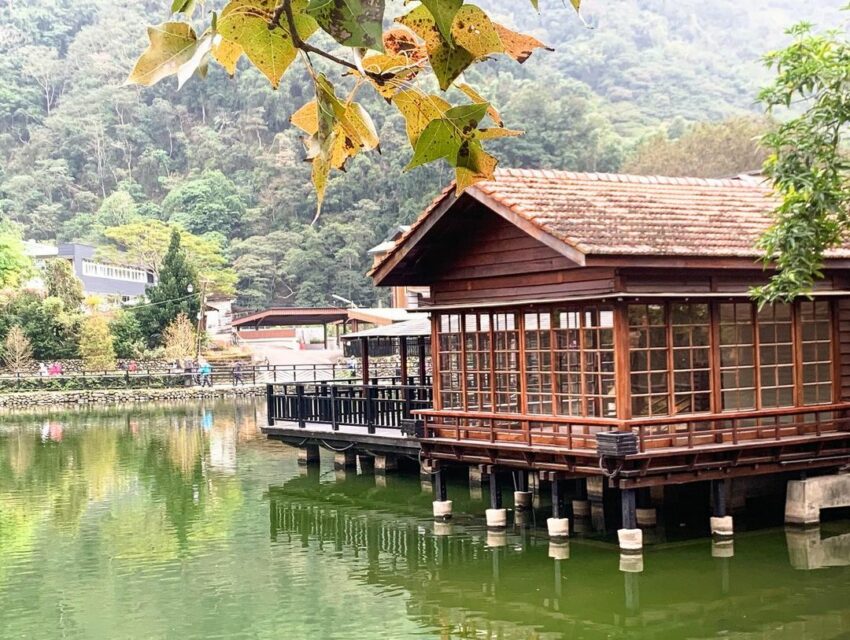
column 183, row 522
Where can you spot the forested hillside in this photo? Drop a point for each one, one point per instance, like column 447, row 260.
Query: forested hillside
column 82, row 153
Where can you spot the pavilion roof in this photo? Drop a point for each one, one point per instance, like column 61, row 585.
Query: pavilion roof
column 626, row 215
column 419, row 326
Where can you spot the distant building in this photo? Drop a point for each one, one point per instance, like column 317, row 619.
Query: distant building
column 122, row 281
column 402, row 297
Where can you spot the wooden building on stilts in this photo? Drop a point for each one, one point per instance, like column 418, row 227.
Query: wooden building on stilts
column 597, row 326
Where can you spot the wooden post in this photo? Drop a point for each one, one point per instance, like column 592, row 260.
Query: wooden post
column 325, row 334
column 495, row 490
column 402, row 353
column 718, row 498
column 439, row 486
column 627, row 503
column 334, row 417
column 557, row 498
column 364, row 355
column 270, row 405
column 299, row 405
column 422, row 371
column 370, row 393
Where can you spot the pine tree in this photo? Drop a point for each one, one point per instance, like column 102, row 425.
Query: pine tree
column 96, row 348
column 175, row 293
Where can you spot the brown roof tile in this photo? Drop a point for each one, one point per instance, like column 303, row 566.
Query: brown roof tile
column 613, row 214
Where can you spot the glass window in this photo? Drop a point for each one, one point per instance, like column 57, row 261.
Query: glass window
column 648, row 357
column 450, row 364
column 479, row 383
column 737, row 356
column 506, row 362
column 538, row 362
column 816, row 334
column 776, row 356
column 690, row 330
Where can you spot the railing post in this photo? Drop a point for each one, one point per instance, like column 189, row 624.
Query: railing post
column 407, row 393
column 270, row 412
column 370, row 407
column 299, row 405
column 334, row 417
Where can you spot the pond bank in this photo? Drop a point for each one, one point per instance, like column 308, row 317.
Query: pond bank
column 115, row 396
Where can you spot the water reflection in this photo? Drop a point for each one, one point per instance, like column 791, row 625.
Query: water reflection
column 471, row 582
column 181, row 521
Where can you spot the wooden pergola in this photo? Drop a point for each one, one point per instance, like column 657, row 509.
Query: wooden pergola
column 565, row 306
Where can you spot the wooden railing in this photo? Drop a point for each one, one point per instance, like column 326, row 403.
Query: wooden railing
column 344, row 403
column 654, row 434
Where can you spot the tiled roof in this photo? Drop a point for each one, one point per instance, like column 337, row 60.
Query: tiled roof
column 613, row 214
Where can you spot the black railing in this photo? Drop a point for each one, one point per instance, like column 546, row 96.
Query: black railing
column 344, row 403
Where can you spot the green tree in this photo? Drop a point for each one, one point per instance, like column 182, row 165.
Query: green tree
column 96, row 348
column 14, row 264
column 808, row 163
column 147, row 243
column 176, row 292
column 52, row 330
column 61, row 282
column 127, row 338
column 703, row 150
column 208, row 203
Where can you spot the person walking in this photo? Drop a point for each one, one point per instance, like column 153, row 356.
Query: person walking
column 237, row 375
column 205, row 372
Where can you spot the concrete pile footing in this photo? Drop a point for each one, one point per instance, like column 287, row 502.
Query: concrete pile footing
column 558, row 527
column 722, row 527
column 805, row 498
column 442, row 509
column 497, row 518
column 522, row 500
column 630, row 539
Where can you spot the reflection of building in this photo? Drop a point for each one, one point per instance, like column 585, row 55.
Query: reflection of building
column 110, row 279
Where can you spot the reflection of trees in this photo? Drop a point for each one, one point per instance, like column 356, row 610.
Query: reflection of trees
column 145, row 467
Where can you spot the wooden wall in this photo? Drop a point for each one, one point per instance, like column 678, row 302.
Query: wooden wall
column 843, row 314
column 499, row 262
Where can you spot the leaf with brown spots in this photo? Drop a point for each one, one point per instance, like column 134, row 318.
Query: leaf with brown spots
column 353, row 23
column 443, row 138
column 246, row 23
column 475, row 32
column 447, row 61
column 226, row 53
column 389, row 72
column 476, row 97
column 444, row 12
column 418, row 109
column 473, row 165
column 518, row 46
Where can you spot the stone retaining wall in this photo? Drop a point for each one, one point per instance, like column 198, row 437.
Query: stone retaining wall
column 110, row 396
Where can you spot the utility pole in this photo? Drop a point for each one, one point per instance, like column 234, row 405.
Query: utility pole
column 201, row 323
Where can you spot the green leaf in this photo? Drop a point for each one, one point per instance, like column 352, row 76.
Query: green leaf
column 439, row 140
column 171, row 45
column 418, row 109
column 443, row 12
column 534, row 4
column 444, row 137
column 246, row 23
column 183, row 6
column 353, row 23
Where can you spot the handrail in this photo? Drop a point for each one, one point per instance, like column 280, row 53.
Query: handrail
column 522, row 417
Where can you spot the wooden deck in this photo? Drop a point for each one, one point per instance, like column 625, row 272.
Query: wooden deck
column 324, row 435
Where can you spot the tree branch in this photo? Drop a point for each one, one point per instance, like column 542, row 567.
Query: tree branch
column 285, row 9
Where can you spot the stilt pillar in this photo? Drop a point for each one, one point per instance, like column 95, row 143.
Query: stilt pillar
column 558, row 525
column 386, row 463
column 365, row 464
column 442, row 506
column 497, row 517
column 345, row 459
column 722, row 525
column 308, row 454
column 629, row 536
